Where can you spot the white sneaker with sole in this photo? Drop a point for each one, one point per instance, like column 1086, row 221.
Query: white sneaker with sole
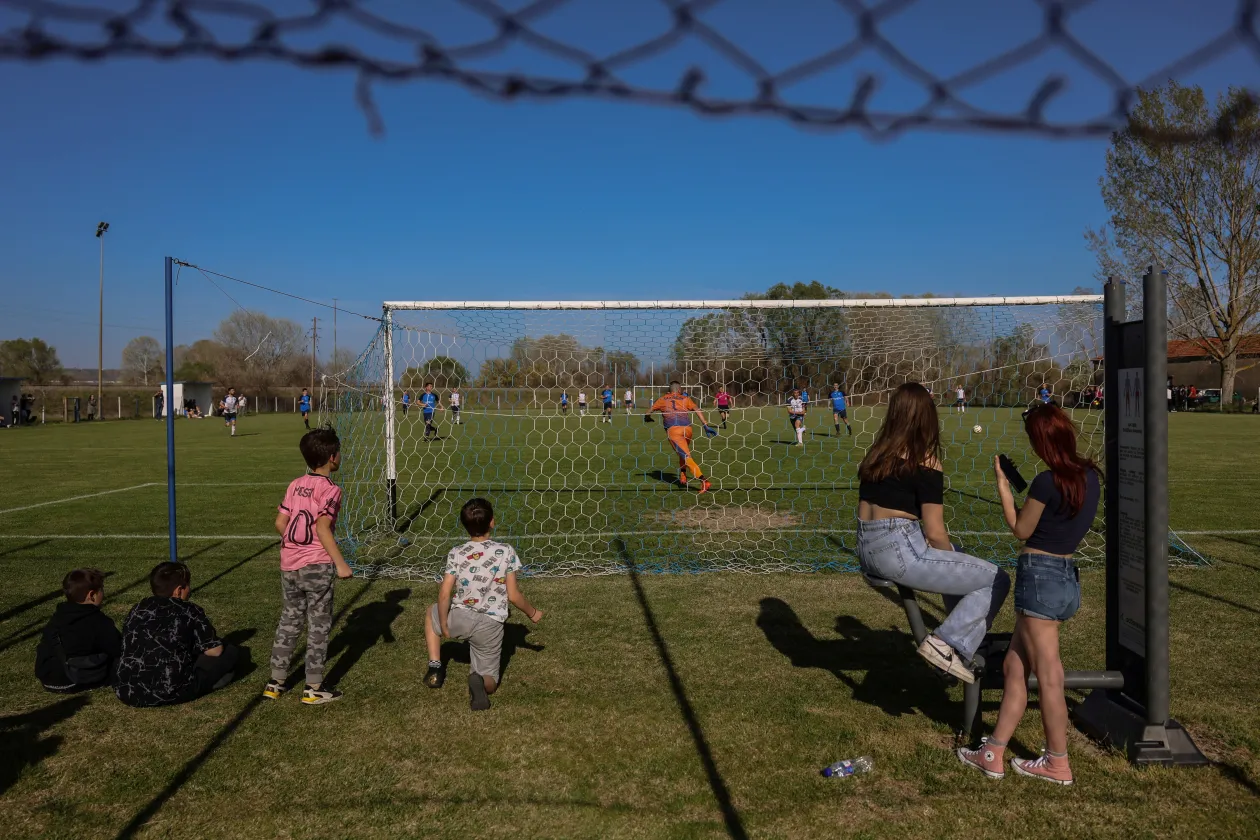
column 942, row 656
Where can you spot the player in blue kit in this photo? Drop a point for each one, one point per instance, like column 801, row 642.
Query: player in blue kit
column 607, row 395
column 428, row 404
column 304, row 406
column 839, row 408
column 564, row 402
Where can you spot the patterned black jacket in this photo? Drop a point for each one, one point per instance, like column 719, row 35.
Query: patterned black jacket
column 162, row 638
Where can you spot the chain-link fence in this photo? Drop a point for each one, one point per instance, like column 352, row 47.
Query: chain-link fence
column 550, row 49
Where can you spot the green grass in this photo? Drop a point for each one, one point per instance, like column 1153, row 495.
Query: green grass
column 589, row 737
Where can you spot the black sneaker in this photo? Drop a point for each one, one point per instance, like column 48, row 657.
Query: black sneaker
column 435, row 676
column 319, row 696
column 478, row 700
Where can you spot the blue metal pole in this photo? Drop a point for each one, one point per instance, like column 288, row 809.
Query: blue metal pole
column 170, row 407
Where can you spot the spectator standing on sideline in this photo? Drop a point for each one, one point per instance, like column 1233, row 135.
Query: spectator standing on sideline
column 91, row 407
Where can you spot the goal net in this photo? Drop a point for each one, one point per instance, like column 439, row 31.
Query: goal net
column 576, row 493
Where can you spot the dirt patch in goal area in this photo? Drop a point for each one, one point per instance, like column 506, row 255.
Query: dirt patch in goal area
column 728, row 519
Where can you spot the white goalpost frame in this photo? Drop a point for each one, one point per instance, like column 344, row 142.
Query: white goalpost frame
column 841, row 303
column 391, row 433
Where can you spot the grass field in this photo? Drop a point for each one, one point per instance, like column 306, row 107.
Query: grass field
column 654, row 706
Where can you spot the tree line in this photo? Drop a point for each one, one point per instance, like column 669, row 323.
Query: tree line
column 250, row 351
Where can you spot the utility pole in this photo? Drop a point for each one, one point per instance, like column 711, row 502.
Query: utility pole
column 101, row 228
column 314, row 339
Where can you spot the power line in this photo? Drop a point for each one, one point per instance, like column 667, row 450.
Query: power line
column 206, row 271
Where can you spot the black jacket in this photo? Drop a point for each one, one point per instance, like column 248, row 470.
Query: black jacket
column 84, row 630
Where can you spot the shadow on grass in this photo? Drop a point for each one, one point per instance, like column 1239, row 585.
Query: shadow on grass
column 194, row 764
column 1200, row 593
column 892, row 676
column 18, row 637
column 513, row 639
column 405, row 523
column 663, row 477
column 367, row 625
column 22, row 743
column 26, row 547
column 730, row 816
column 235, row 566
column 1237, row 774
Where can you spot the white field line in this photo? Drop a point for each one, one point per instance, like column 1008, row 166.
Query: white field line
column 77, row 498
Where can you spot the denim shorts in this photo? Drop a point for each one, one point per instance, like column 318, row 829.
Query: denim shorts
column 1047, row 587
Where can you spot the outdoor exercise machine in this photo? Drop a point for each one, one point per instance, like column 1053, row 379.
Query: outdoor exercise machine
column 1128, row 703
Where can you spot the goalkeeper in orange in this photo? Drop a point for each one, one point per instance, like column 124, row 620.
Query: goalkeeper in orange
column 676, row 407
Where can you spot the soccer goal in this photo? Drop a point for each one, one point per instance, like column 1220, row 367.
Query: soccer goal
column 576, row 495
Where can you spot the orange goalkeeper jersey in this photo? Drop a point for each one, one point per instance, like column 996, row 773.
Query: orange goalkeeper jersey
column 676, row 409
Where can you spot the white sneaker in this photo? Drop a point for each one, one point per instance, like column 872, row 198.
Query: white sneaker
column 944, row 657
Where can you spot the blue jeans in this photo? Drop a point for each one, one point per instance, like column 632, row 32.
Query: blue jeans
column 973, row 589
column 1047, row 587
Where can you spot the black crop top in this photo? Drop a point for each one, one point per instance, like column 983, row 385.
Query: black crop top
column 907, row 494
column 1057, row 531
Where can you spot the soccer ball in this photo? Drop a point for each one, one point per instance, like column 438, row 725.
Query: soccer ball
column 977, row 429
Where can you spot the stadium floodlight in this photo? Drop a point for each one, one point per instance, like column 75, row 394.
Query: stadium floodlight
column 101, row 228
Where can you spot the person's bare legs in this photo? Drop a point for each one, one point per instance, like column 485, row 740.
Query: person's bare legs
column 989, row 758
column 431, row 638
column 1042, row 637
column 1015, row 670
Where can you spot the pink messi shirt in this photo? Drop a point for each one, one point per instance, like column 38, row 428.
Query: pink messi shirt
column 307, row 499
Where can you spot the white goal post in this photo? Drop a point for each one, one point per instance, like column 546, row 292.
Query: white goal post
column 573, row 494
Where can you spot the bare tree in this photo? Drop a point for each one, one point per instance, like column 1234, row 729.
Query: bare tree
column 260, row 352
column 142, row 358
column 1195, row 209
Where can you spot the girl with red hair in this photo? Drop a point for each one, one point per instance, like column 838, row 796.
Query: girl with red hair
column 1061, row 505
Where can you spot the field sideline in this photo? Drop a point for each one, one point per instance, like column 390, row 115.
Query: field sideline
column 661, row 706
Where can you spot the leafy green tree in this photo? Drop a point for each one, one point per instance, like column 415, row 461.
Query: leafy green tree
column 442, row 371
column 31, row 359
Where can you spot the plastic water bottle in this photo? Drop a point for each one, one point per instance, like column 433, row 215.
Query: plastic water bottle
column 849, row 767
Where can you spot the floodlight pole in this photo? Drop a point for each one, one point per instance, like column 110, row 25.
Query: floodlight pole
column 101, row 228
column 170, row 409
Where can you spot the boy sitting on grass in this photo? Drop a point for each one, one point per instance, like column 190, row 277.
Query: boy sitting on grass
column 478, row 585
column 80, row 645
column 310, row 562
column 170, row 651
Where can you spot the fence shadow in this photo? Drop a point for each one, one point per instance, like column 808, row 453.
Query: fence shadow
column 194, row 764
column 22, row 740
column 235, row 566
column 730, row 816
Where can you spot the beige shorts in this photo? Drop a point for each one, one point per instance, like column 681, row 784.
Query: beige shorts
column 483, row 634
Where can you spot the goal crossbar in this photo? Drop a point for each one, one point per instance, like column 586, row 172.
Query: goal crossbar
column 845, row 303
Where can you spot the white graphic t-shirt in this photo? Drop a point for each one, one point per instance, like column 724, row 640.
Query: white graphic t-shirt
column 481, row 569
column 629, row 396
column 796, row 405
column 229, row 405
column 582, row 397
column 454, row 399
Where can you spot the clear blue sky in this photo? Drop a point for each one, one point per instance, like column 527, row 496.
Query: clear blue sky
column 269, row 173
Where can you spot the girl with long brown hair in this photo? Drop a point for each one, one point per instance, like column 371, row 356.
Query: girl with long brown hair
column 902, row 536
column 1061, row 505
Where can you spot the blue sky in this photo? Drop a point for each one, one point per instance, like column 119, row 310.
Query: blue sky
column 269, row 173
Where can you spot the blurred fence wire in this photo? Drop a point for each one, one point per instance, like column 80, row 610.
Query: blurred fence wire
column 321, row 34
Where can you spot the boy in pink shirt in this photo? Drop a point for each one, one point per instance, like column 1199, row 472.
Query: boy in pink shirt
column 309, row 563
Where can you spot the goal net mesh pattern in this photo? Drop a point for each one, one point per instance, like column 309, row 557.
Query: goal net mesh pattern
column 573, row 489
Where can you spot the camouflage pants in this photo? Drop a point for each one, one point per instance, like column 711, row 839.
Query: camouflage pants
column 308, row 600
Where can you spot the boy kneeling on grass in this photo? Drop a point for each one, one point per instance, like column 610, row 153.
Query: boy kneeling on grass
column 80, row 646
column 170, row 651
column 310, row 562
column 478, row 585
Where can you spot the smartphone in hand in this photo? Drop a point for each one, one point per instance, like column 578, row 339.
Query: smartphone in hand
column 1012, row 474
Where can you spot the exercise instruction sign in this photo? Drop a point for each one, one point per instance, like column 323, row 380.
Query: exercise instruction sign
column 1132, row 510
